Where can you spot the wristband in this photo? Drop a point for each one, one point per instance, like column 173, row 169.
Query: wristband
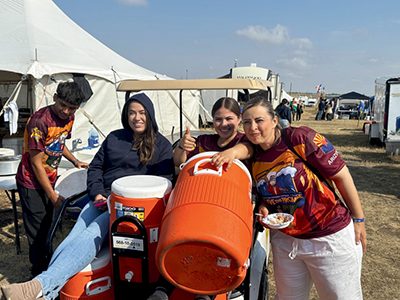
column 358, row 220
column 180, row 147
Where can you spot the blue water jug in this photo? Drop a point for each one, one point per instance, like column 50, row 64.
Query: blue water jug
column 93, row 139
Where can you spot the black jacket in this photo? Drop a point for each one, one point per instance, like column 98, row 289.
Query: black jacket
column 116, row 158
column 283, row 111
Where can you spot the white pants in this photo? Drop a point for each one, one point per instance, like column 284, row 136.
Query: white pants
column 332, row 263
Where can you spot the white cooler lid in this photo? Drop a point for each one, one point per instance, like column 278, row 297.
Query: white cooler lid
column 7, row 152
column 141, row 186
column 100, row 261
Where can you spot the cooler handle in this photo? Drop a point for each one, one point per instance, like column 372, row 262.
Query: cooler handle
column 98, row 289
column 196, row 170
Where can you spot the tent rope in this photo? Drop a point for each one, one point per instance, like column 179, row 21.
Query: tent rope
column 115, row 86
column 91, row 121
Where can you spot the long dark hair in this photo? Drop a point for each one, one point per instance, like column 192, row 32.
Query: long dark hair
column 144, row 142
column 228, row 103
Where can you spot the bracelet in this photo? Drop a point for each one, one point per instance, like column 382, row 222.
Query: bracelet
column 180, row 147
column 74, row 162
column 358, row 220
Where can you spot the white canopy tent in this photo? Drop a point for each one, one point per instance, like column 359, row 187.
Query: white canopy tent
column 42, row 46
column 286, row 95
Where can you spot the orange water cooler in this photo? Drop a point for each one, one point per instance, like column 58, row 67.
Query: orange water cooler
column 94, row 282
column 136, row 205
column 206, row 232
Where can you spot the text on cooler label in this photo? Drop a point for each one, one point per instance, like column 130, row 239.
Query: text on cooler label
column 122, row 242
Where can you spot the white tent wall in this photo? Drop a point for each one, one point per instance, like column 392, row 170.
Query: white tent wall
column 40, row 42
column 105, row 106
column 209, row 97
column 286, row 95
column 166, row 105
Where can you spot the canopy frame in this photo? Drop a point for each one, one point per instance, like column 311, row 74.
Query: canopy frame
column 129, row 86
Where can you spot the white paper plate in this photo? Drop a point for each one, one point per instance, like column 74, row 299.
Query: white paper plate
column 272, row 220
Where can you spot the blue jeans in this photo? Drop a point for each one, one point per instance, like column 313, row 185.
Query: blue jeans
column 319, row 115
column 284, row 123
column 77, row 250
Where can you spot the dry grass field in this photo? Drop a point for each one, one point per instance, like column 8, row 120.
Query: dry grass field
column 377, row 177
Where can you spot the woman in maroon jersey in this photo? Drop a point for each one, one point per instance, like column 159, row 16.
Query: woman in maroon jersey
column 226, row 120
column 325, row 242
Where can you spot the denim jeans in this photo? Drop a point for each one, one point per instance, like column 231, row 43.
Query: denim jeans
column 284, row 123
column 77, row 250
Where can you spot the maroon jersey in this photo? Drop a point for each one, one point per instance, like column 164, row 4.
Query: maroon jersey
column 286, row 184
column 45, row 132
column 209, row 142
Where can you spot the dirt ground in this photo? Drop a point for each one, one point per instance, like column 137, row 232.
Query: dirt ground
column 376, row 175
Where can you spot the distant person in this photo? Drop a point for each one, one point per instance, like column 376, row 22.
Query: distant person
column 361, row 109
column 44, row 145
column 284, row 113
column 334, row 103
column 321, row 109
column 293, row 108
column 329, row 112
column 299, row 110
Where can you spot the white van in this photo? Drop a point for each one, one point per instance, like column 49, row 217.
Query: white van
column 385, row 127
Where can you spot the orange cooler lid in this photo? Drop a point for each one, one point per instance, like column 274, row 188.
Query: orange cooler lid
column 209, row 154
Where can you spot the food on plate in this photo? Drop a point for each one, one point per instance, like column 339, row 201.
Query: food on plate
column 279, row 219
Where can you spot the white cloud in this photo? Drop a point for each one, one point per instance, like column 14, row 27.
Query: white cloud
column 277, row 35
column 134, row 2
column 302, row 43
column 373, row 60
column 295, row 62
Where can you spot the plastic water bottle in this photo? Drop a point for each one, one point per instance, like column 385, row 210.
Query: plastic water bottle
column 93, row 139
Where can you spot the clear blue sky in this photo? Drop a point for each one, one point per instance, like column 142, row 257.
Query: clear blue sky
column 343, row 45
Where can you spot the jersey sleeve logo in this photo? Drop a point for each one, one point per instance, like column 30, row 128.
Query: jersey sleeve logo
column 323, row 143
column 36, row 134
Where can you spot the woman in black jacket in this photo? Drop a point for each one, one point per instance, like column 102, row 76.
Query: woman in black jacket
column 284, row 113
column 137, row 149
